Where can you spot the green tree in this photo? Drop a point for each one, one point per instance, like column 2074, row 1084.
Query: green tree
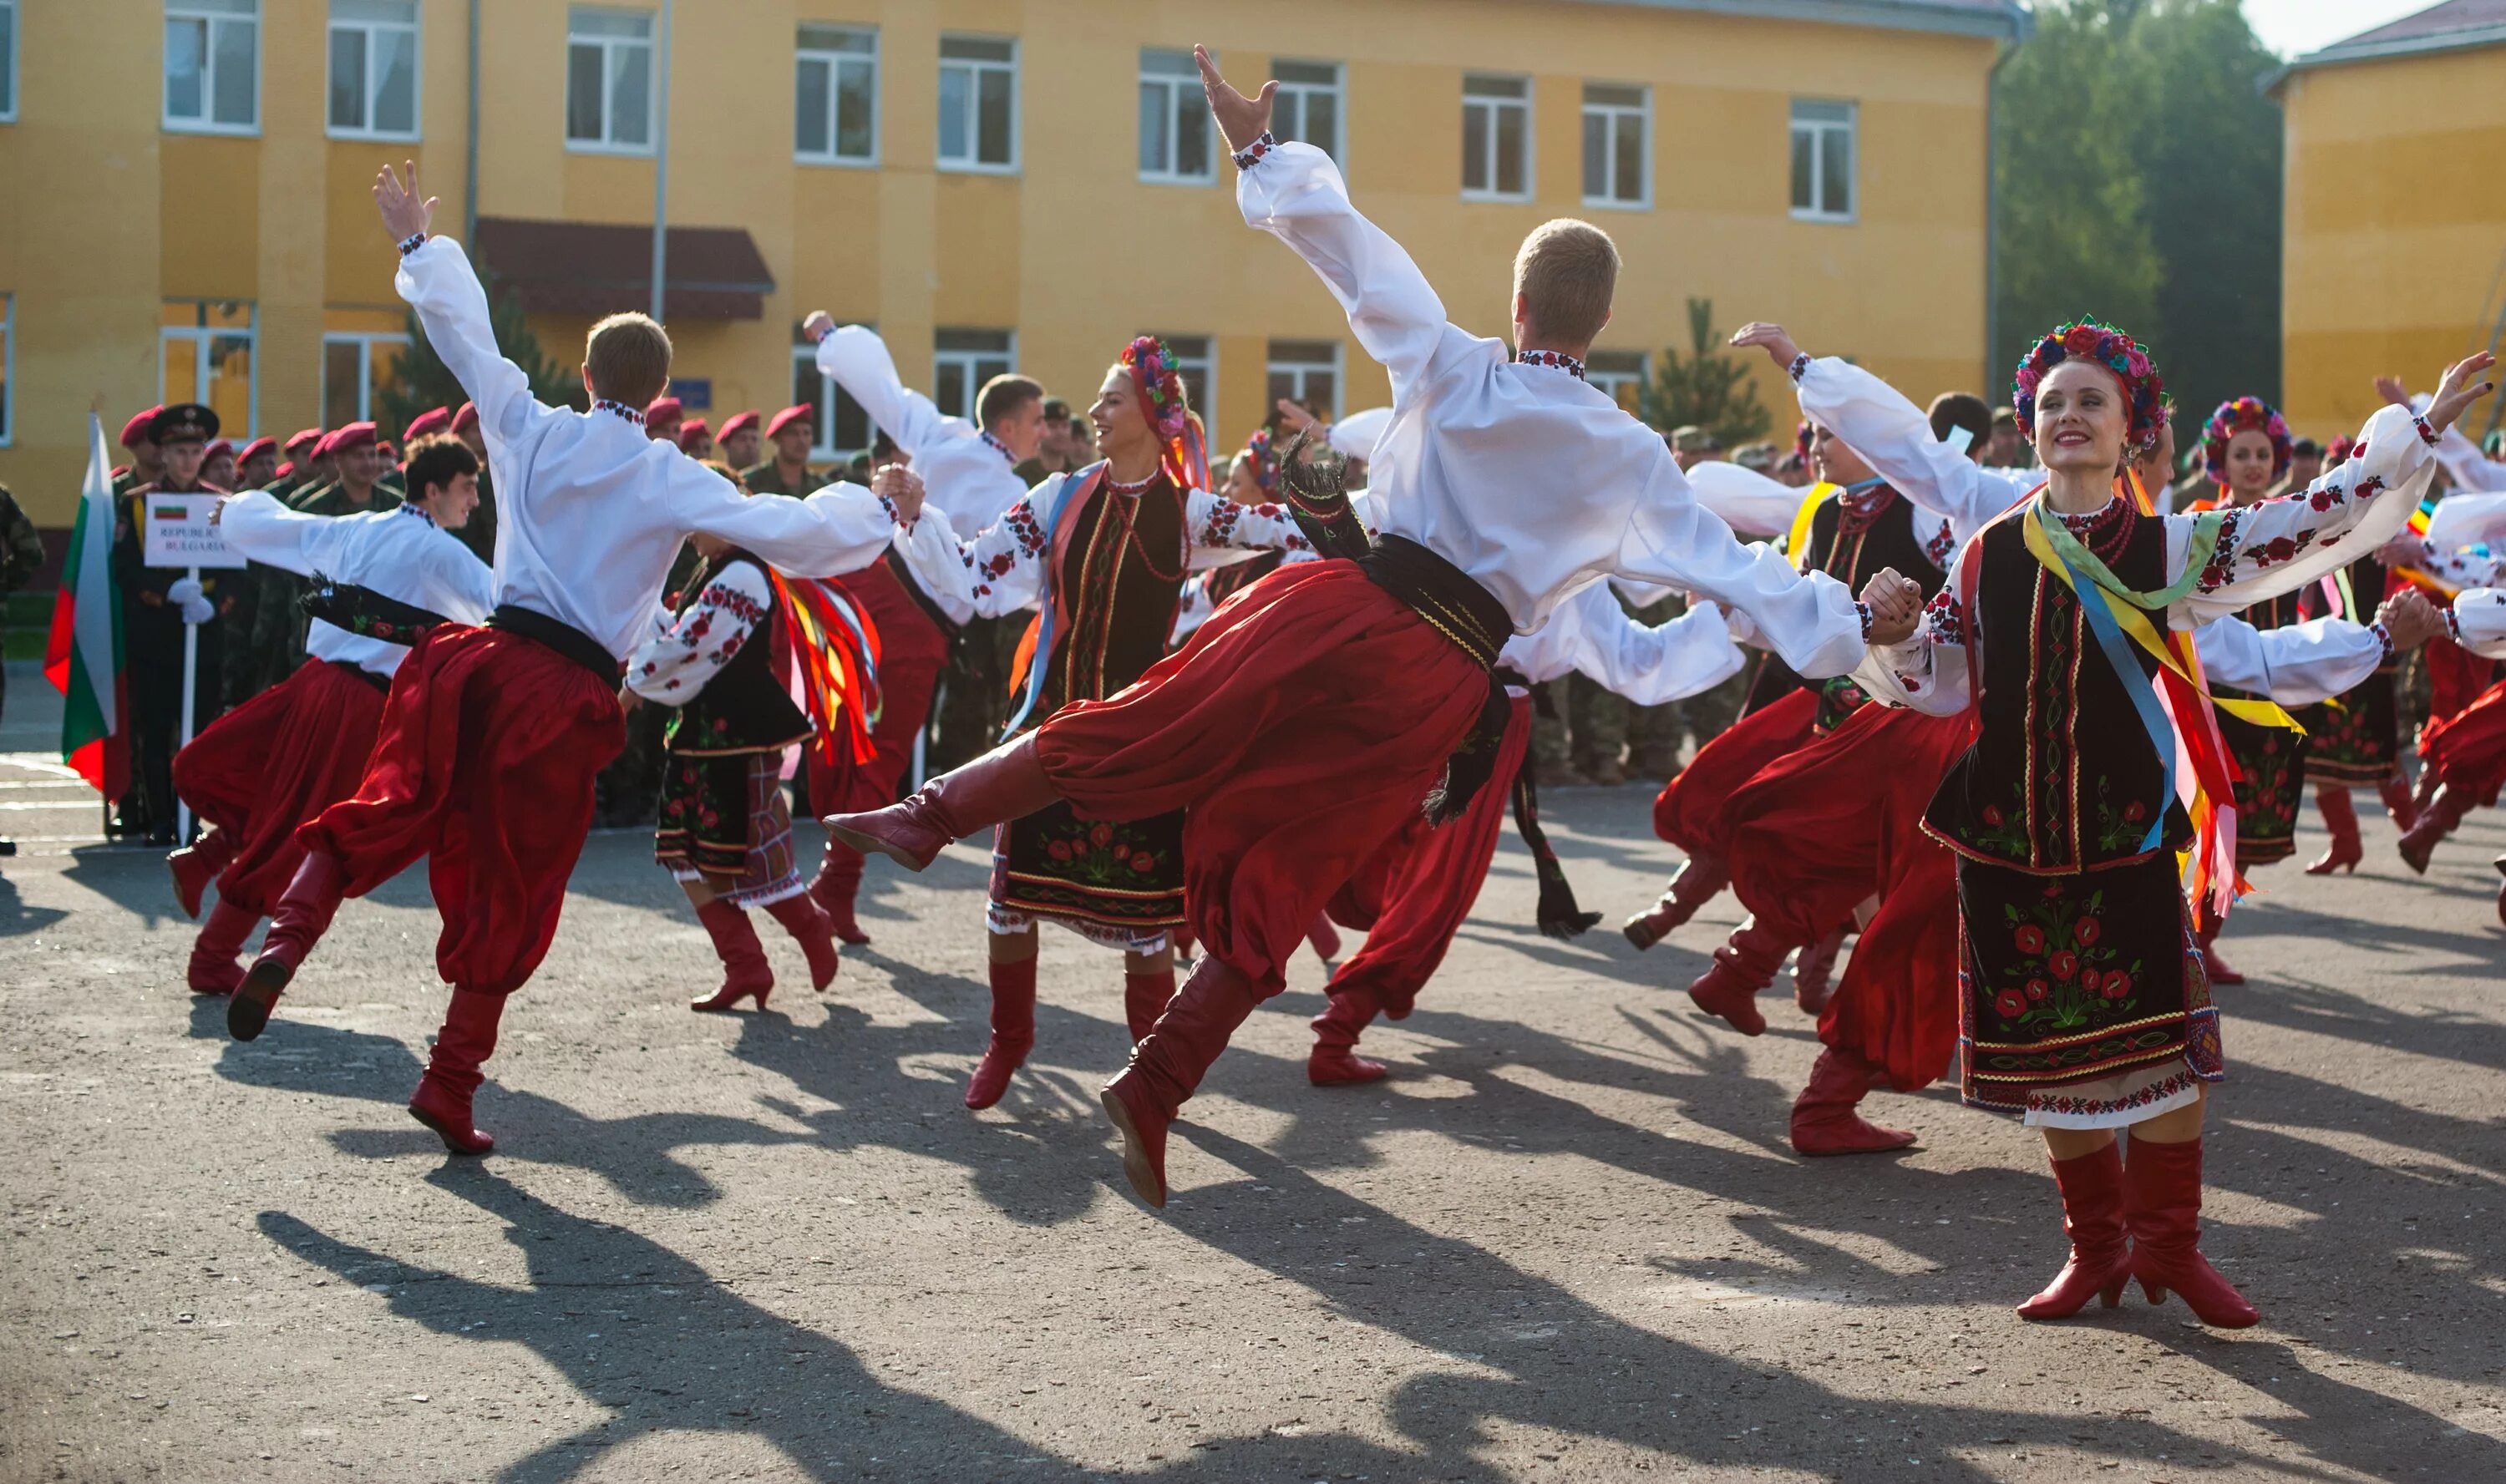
column 1709, row 388
column 421, row 380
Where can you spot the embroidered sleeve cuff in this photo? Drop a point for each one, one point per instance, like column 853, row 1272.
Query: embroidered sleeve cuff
column 1251, row 155
column 1864, row 608
column 411, row 243
column 2383, row 637
column 2427, row 435
column 1799, row 366
column 2453, row 626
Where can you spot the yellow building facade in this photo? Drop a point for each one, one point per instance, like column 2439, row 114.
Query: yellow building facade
column 2393, row 245
column 991, row 183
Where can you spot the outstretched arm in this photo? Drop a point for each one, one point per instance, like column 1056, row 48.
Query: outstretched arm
column 256, row 524
column 2477, row 622
column 1649, row 663
column 841, row 528
column 437, row 281
column 859, row 362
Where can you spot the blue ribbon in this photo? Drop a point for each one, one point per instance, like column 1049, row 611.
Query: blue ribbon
column 1040, row 661
column 2144, row 696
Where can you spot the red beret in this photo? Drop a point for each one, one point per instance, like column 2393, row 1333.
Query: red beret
column 432, row 420
column 255, row 448
column 300, row 439
column 356, row 435
column 735, row 423
column 664, row 410
column 803, row 414
column 221, row 445
column 693, row 432
column 135, row 431
column 285, row 469
column 467, row 417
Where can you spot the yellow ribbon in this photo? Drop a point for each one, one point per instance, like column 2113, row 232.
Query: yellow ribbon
column 1798, row 540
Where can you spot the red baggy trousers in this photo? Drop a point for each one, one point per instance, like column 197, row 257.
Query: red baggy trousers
column 274, row 762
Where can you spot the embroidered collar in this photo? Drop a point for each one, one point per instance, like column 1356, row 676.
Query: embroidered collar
column 634, row 415
column 1141, row 487
column 412, row 508
column 1550, row 357
column 997, row 446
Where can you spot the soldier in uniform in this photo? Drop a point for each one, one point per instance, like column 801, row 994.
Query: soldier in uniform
column 145, row 464
column 218, row 464
column 663, row 417
column 159, row 603
column 738, row 441
column 792, row 431
column 696, row 439
column 296, row 465
column 257, row 466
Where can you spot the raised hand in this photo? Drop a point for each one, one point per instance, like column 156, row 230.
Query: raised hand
column 1769, row 338
column 1241, row 118
column 2390, row 388
column 2463, row 386
column 1295, row 418
column 1896, row 606
column 819, row 326
column 2410, row 619
column 404, row 215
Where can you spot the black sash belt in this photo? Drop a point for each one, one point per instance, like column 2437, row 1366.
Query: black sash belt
column 1463, row 612
column 571, row 642
column 365, row 612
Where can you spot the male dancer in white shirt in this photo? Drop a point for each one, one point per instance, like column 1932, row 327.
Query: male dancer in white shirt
column 494, row 735
column 1316, row 711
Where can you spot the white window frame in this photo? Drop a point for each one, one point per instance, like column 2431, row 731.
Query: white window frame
column 822, row 446
column 975, row 69
column 1272, row 365
column 9, row 72
column 1176, row 83
column 201, row 337
column 1610, row 377
column 836, row 62
column 365, row 340
column 207, row 123
column 7, row 370
column 1611, row 113
column 1297, row 94
column 1206, row 362
column 607, row 143
column 1494, row 104
column 970, row 360
column 373, row 84
column 1850, row 126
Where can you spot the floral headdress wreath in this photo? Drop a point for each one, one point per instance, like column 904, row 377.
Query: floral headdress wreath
column 1159, row 380
column 1265, row 459
column 2086, row 339
column 2244, row 414
column 2337, row 452
column 1800, row 441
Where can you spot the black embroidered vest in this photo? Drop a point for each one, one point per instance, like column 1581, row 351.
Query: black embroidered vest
column 743, row 708
column 2061, row 778
column 1121, row 576
column 1852, row 546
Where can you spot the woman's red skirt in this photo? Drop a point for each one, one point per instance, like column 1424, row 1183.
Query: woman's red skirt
column 1693, row 811
column 275, row 762
column 2468, row 749
column 1300, row 726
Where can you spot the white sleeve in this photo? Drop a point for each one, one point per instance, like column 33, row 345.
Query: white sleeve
column 2296, row 664
column 1671, row 541
column 1750, row 503
column 1895, row 437
column 1001, row 568
column 1931, row 672
column 858, row 360
column 841, row 528
column 438, row 282
column 2466, row 465
column 1356, row 434
column 1652, row 663
column 256, row 524
column 1295, row 193
column 2278, row 546
column 1215, row 520
column 2467, row 517
column 2466, row 568
column 674, row 664
column 464, row 586
column 2479, row 623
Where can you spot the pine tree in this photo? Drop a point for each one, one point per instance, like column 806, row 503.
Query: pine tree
column 1707, row 388
column 421, row 380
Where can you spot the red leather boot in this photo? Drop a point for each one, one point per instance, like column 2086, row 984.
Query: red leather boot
column 834, row 888
column 745, row 970
column 2445, row 810
column 1696, row 885
column 1013, row 1033
column 2162, row 1207
column 809, row 927
column 1004, row 784
column 442, row 1099
column 2399, row 802
column 1145, row 997
column 302, row 915
column 2340, row 817
column 196, row 866
column 2213, row 963
column 1167, row 1064
column 2092, row 1215
column 1334, row 1061
column 1826, row 1120
column 213, row 970
column 1814, row 973
column 1744, row 966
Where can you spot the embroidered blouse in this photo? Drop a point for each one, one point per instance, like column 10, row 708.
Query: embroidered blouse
column 2477, row 622
column 687, row 648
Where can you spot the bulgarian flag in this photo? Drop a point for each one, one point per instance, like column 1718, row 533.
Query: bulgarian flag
column 83, row 658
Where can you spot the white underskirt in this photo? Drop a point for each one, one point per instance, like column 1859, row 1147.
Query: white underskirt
column 2120, row 1101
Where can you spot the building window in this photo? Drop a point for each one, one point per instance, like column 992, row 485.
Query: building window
column 7, row 61
column 1196, row 363
column 609, row 81
column 1618, row 120
column 1308, row 105
column 963, row 359
column 836, row 104
column 978, row 103
column 1305, row 371
column 355, row 367
column 1618, row 373
column 373, row 68
column 1822, row 160
column 1496, row 137
column 1174, row 120
column 842, row 426
column 204, row 354
column 7, row 367
column 213, row 66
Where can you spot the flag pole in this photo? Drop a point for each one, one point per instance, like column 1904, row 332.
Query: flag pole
column 183, row 728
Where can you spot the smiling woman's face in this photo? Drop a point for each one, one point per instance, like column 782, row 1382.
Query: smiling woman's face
column 2249, row 464
column 2079, row 418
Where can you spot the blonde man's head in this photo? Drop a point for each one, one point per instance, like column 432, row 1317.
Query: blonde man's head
column 1563, row 277
column 628, row 359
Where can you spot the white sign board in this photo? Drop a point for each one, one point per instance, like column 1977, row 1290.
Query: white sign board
column 174, row 531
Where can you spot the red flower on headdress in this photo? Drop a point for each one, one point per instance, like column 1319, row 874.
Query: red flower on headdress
column 2081, row 339
column 2126, row 360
